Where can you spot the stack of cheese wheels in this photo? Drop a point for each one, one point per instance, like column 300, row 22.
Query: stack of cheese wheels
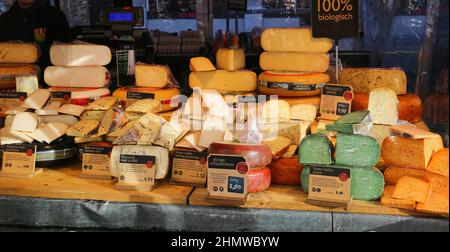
column 152, row 82
column 295, row 64
column 78, row 75
column 17, row 59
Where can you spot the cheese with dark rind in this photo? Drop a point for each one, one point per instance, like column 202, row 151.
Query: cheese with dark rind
column 258, row 180
column 439, row 163
column 316, row 149
column 293, row 40
column 286, row 171
column 364, row 80
column 19, row 53
column 291, row 84
column 357, row 151
column 393, row 174
column 291, row 61
column 256, row 155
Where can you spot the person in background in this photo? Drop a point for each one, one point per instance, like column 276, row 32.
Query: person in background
column 35, row 21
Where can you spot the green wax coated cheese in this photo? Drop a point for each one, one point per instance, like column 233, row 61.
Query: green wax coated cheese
column 357, row 151
column 316, row 149
column 342, row 128
column 353, row 118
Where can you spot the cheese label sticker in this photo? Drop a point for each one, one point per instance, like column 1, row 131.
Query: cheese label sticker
column 189, row 166
column 133, row 97
column 96, row 160
column 137, row 170
column 227, row 176
column 61, row 95
column 21, row 96
column 19, row 159
column 291, row 86
column 330, row 186
column 336, row 101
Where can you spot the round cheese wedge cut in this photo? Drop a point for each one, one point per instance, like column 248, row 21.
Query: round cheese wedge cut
column 94, row 77
column 80, row 55
column 291, row 84
column 256, row 155
column 409, row 108
column 169, row 97
column 21, row 53
column 258, row 180
column 9, row 72
column 286, row 171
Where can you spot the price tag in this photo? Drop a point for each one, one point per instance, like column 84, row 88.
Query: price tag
column 96, row 162
column 189, row 167
column 125, row 62
column 237, row 5
column 136, row 172
column 19, row 161
column 62, row 96
column 335, row 19
column 329, row 186
column 133, row 97
column 336, row 101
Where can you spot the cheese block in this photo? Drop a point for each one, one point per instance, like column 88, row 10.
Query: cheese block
column 291, row 84
column 409, row 107
column 213, row 131
column 257, row 155
column 145, row 106
column 84, row 97
column 389, row 201
column 80, row 140
column 357, row 151
column 191, row 141
column 258, row 180
column 85, row 128
column 71, row 109
column 313, row 100
column 27, row 84
column 94, row 77
column 304, row 112
column 293, row 40
column 21, row 135
column 25, row 121
column 393, row 174
column 7, row 138
column 439, row 163
column 80, row 55
column 9, row 72
column 286, row 171
column 145, row 131
column 201, row 64
column 50, row 109
column 316, row 149
column 163, row 95
column 279, row 146
column 437, row 204
column 51, row 131
column 155, row 76
column 103, row 104
column 161, row 158
column 364, row 80
column 439, row 183
column 276, row 111
column 224, row 81
column 37, row 99
column 22, row 53
column 67, row 119
column 409, row 188
column 383, row 105
column 297, row 62
column 230, row 59
column 404, row 152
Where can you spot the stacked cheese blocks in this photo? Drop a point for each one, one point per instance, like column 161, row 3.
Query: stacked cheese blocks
column 16, row 59
column 79, row 71
column 418, row 173
column 295, row 64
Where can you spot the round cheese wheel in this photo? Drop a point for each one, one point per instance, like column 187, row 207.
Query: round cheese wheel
column 164, row 95
column 90, row 76
column 286, row 171
column 258, row 180
column 8, row 73
column 78, row 96
column 409, row 107
column 291, row 84
column 312, row 100
column 256, row 155
column 80, row 55
column 20, row 53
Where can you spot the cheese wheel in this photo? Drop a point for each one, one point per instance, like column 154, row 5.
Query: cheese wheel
column 230, row 59
column 409, row 108
column 20, row 53
column 312, row 100
column 224, row 81
column 291, row 84
column 94, row 77
column 286, row 171
column 258, row 180
column 9, row 72
column 364, row 80
column 393, row 174
column 300, row 62
column 201, row 64
column 256, row 155
column 80, row 55
column 293, row 40
column 163, row 95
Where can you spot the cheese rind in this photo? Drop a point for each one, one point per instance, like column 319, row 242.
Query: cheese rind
column 297, row 62
column 357, row 151
column 201, row 64
column 293, row 40
column 80, row 55
column 364, row 80
column 316, row 149
column 257, row 155
column 291, row 84
column 383, row 106
column 20, row 53
column 94, row 77
column 230, row 59
column 155, row 76
column 224, row 81
column 25, row 121
column 258, row 180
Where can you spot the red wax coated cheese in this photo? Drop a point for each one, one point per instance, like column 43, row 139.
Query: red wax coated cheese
column 256, row 155
column 258, row 180
column 286, row 171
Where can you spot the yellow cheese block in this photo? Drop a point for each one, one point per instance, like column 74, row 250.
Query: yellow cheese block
column 163, row 95
column 18, row 53
column 230, row 59
column 156, row 76
column 224, row 81
column 9, row 72
column 299, row 62
column 291, row 84
column 313, row 100
column 201, row 64
column 364, row 80
column 293, row 40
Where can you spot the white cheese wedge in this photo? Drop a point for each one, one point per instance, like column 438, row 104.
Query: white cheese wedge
column 50, row 109
column 51, row 131
column 25, row 121
column 67, row 119
column 37, row 99
column 21, row 135
column 71, row 109
column 7, row 138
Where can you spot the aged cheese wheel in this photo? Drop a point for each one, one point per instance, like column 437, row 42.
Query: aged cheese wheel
column 21, row 53
column 258, row 180
column 286, row 171
column 256, row 155
column 9, row 72
column 291, row 84
column 364, row 80
column 80, row 55
column 409, row 107
column 289, row 61
column 164, row 95
column 93, row 77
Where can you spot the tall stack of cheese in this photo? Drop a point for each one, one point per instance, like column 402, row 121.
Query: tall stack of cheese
column 17, row 59
column 295, row 64
column 78, row 71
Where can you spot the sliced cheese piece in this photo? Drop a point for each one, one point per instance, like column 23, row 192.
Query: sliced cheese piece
column 25, row 121
column 409, row 188
column 224, row 81
column 132, row 116
column 191, row 141
column 85, row 128
column 71, row 109
column 357, row 151
column 21, row 135
column 316, row 149
column 9, row 72
column 313, row 100
column 257, row 155
column 144, row 132
column 103, row 104
column 7, row 138
column 92, row 76
column 169, row 97
column 107, row 123
column 383, row 105
column 439, row 183
column 286, row 171
column 393, row 174
column 51, row 131
column 170, row 133
column 67, row 119
column 80, row 140
column 258, row 180
column 213, row 131
column 216, row 105
column 201, row 64
column 297, row 62
column 437, row 204
column 304, row 112
column 276, row 111
column 439, row 163
column 50, row 109
column 292, row 84
column 93, row 115
column 230, row 59
column 279, row 146
column 23, row 53
column 364, row 80
column 410, row 131
column 389, row 201
column 37, row 99
column 293, row 40
column 145, row 106
column 80, row 55
column 156, row 76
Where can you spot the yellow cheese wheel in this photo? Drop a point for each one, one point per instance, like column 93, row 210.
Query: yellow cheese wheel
column 18, row 53
column 312, row 100
column 163, row 95
column 230, row 59
column 9, row 72
column 364, row 80
column 224, row 81
column 291, row 84
column 293, row 40
column 300, row 62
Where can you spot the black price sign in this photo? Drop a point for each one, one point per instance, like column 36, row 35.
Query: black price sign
column 335, row 19
column 237, row 5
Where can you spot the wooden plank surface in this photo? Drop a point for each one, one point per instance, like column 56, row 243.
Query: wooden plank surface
column 65, row 183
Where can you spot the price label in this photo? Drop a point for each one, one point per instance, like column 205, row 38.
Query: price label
column 336, row 101
column 189, row 167
column 96, row 162
column 335, row 19
column 137, row 172
column 61, row 96
column 19, row 160
column 237, row 5
column 329, row 186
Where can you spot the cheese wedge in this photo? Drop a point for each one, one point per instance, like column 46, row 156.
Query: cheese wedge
column 21, row 135
column 276, row 111
column 51, row 131
column 279, row 146
column 71, row 109
column 439, row 163
column 80, row 55
column 25, row 121
column 383, row 106
column 293, row 40
column 103, row 104
column 84, row 128
column 201, row 64
column 50, row 109
column 156, row 76
column 292, row 84
column 94, row 77
column 67, row 119
column 304, row 112
column 145, row 106
column 37, row 99
column 7, row 138
column 230, row 59
column 300, row 62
